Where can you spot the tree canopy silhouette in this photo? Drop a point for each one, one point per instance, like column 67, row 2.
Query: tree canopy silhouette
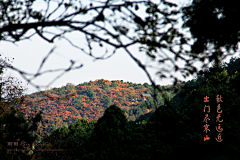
column 121, row 25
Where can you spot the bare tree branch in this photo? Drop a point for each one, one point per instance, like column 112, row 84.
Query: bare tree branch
column 114, row 24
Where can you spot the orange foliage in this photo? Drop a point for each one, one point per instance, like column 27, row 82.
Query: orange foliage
column 115, row 101
column 147, row 111
column 82, row 87
column 118, row 82
column 89, row 108
column 107, row 82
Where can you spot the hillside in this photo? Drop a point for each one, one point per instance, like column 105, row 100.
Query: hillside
column 89, row 100
column 149, row 133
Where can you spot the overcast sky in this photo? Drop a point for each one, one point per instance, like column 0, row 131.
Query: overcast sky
column 28, row 55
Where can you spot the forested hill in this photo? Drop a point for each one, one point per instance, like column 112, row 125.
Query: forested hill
column 90, row 99
column 152, row 134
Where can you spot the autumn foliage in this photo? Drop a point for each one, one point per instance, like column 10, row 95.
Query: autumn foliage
column 89, row 100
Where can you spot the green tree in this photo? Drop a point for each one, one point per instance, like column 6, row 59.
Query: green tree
column 17, row 129
column 61, row 90
column 139, row 145
column 109, row 139
column 139, row 87
column 73, row 144
column 146, row 85
column 192, row 111
column 144, row 122
column 149, row 102
column 143, row 106
column 105, row 86
column 77, row 104
column 57, row 139
column 159, row 99
column 123, row 91
column 114, row 84
column 137, row 111
column 80, row 133
column 130, row 96
column 232, row 66
column 90, row 93
column 161, row 126
column 107, row 101
column 126, row 109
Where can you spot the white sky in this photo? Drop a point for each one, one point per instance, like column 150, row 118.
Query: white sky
column 29, row 54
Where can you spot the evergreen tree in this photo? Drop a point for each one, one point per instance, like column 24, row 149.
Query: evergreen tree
column 90, row 93
column 232, row 66
column 109, row 139
column 193, row 115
